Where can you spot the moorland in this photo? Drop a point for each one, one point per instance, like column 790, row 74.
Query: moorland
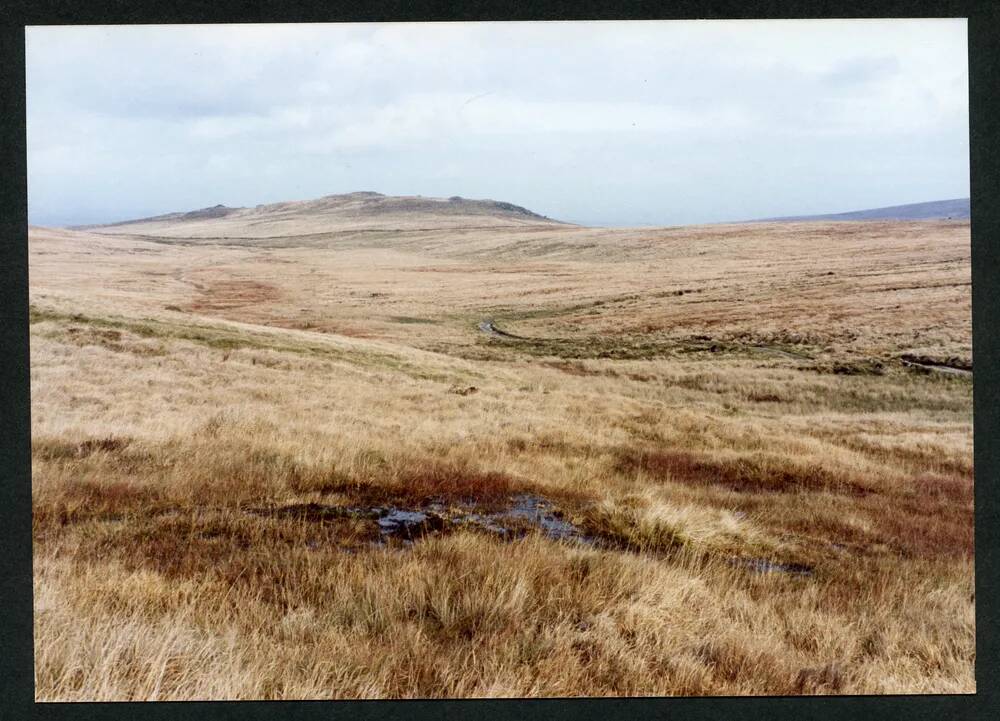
column 369, row 447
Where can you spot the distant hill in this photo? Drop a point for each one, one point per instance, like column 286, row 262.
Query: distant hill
column 216, row 211
column 351, row 211
column 956, row 209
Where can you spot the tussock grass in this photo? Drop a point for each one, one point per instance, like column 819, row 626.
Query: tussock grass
column 756, row 473
column 647, row 523
column 185, row 462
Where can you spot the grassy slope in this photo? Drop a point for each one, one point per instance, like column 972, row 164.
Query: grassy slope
column 156, row 432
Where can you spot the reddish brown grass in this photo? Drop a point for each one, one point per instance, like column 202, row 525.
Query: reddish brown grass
column 756, row 473
column 452, row 484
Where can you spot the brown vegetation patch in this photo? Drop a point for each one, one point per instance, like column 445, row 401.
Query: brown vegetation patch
column 930, row 460
column 757, row 473
column 868, row 367
column 113, row 340
column 351, row 331
column 730, row 661
column 576, row 368
column 451, row 483
column 828, row 679
column 234, row 548
column 108, row 444
column 926, row 525
column 547, row 443
column 624, row 535
column 821, row 531
column 785, row 338
column 225, row 294
column 949, row 489
column 925, row 518
column 640, row 377
column 378, row 482
column 78, row 501
column 756, row 396
column 52, row 449
column 329, row 480
column 922, row 536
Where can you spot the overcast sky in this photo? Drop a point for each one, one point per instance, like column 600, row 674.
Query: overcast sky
column 599, row 123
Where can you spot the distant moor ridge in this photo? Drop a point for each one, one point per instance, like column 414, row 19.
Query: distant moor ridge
column 362, row 209
column 371, row 217
column 954, row 209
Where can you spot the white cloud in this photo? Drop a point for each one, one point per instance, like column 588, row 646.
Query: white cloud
column 165, row 115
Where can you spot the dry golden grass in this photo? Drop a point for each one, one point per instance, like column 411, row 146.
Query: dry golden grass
column 696, row 400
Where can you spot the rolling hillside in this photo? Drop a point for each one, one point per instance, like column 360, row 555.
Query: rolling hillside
column 956, row 209
column 363, row 211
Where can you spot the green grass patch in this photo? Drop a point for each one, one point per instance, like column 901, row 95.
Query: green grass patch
column 408, row 320
column 227, row 340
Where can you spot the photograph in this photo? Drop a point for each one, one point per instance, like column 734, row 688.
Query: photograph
column 521, row 359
